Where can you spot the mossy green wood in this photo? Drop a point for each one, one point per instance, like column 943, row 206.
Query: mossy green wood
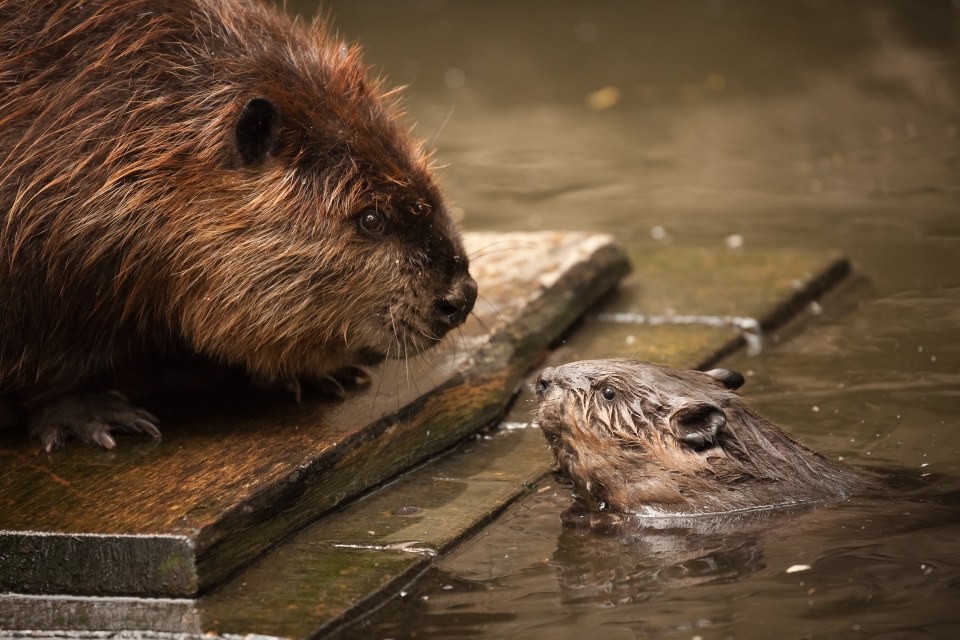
column 458, row 493
column 234, row 475
column 770, row 287
column 350, row 561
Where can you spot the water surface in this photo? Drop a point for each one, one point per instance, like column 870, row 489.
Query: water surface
column 738, row 125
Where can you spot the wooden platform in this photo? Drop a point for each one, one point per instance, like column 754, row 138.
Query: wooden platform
column 331, row 573
column 238, row 471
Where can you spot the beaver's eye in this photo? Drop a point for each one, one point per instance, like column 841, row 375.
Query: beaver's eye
column 608, row 393
column 372, row 222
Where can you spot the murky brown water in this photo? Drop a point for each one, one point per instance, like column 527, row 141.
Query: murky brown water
column 800, row 124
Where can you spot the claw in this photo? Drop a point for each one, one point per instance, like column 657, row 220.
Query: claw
column 333, row 386
column 89, row 417
column 149, row 417
column 148, row 427
column 106, row 440
column 50, row 441
column 353, row 375
column 293, row 385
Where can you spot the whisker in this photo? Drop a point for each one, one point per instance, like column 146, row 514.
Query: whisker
column 406, row 361
column 407, row 358
column 440, row 130
column 517, row 245
column 492, row 306
column 383, row 373
column 396, row 377
column 427, row 336
column 424, row 371
column 483, row 325
column 639, row 350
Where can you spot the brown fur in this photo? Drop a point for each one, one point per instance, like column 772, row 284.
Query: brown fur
column 648, row 451
column 131, row 227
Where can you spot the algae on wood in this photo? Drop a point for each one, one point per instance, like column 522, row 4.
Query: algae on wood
column 335, row 569
column 233, row 476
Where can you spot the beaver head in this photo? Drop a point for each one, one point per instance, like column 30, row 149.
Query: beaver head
column 219, row 175
column 648, row 439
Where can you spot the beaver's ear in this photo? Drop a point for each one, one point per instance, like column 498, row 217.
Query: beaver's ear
column 697, row 423
column 728, row 378
column 255, row 131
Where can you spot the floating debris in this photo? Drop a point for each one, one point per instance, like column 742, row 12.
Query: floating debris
column 798, row 567
column 603, row 98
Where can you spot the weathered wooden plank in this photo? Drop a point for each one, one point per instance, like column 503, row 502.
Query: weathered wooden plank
column 768, row 288
column 347, row 558
column 356, row 558
column 385, row 539
column 235, row 473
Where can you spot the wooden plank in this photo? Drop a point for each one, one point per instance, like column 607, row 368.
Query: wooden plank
column 365, row 554
column 237, row 472
column 769, row 288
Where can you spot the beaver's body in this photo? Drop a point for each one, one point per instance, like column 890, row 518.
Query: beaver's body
column 203, row 178
column 651, row 440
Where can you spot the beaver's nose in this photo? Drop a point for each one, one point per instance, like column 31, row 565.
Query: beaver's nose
column 454, row 307
column 544, row 380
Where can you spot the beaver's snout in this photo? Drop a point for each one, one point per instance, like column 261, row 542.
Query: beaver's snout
column 453, row 308
column 544, row 380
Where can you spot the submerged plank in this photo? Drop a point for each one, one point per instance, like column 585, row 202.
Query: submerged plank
column 363, row 556
column 237, row 472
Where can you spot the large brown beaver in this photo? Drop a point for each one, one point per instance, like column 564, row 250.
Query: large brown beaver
column 647, row 439
column 202, row 178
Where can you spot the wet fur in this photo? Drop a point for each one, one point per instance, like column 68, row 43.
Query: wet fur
column 131, row 229
column 628, row 455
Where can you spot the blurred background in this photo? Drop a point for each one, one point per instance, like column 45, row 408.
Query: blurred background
column 730, row 124
column 734, row 125
column 795, row 122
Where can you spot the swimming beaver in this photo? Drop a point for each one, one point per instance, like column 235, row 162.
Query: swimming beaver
column 647, row 439
column 203, row 178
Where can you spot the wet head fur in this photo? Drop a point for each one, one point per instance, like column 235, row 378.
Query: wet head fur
column 648, row 439
column 200, row 175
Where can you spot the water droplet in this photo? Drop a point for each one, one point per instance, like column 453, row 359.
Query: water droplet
column 586, row 32
column 603, row 98
column 716, row 82
column 455, row 78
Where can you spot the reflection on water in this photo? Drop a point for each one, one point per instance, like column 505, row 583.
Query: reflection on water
column 735, row 124
column 609, row 559
column 883, row 563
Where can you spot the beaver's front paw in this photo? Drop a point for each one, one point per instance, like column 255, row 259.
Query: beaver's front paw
column 90, row 417
column 333, row 385
column 340, row 381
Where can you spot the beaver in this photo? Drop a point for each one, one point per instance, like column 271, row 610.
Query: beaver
column 203, row 179
column 647, row 439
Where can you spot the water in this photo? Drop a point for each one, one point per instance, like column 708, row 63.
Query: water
column 794, row 124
